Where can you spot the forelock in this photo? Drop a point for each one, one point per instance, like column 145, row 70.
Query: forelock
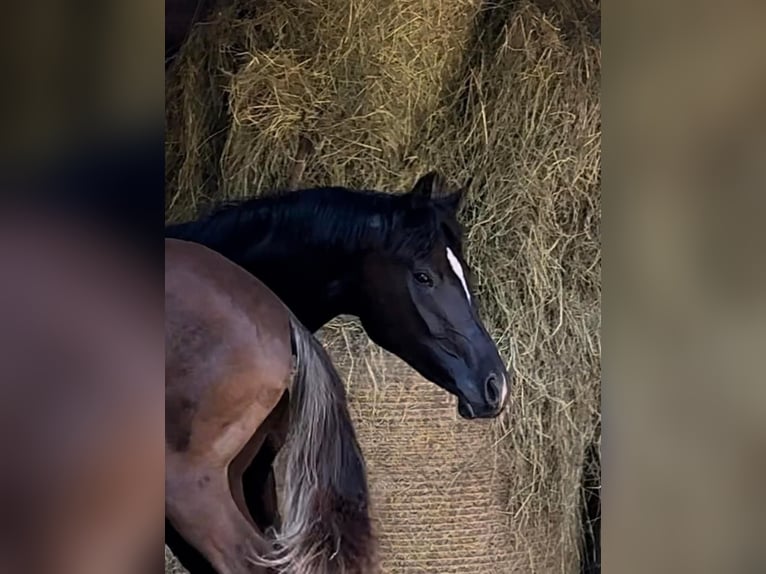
column 417, row 232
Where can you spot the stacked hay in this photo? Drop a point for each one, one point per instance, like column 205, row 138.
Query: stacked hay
column 506, row 92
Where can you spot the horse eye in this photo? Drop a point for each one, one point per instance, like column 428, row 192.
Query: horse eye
column 423, row 278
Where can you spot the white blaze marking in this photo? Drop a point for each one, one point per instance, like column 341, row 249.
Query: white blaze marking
column 458, row 269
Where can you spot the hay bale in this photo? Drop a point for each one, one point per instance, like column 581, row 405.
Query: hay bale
column 358, row 77
column 508, row 93
column 439, row 484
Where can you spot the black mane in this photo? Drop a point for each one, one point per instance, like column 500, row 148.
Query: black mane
column 324, row 218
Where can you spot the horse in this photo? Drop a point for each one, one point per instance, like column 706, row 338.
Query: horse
column 395, row 261
column 230, row 343
column 81, row 395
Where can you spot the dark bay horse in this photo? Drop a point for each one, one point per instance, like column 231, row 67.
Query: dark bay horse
column 393, row 260
column 230, row 344
column 81, row 395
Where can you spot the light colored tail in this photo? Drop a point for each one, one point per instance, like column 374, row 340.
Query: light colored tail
column 326, row 526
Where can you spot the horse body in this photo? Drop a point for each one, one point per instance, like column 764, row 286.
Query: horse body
column 81, row 371
column 230, row 343
column 393, row 260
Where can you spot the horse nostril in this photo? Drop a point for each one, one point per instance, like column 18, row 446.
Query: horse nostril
column 492, row 390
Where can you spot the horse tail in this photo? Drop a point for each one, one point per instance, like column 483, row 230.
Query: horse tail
column 326, row 525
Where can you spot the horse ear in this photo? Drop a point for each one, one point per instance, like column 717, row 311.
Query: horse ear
column 426, row 187
column 454, row 200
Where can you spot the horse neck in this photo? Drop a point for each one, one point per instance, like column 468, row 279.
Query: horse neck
column 315, row 289
column 315, row 285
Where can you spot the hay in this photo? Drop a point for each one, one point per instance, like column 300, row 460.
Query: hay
column 439, row 483
column 508, row 93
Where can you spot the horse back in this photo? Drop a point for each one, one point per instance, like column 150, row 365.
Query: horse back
column 227, row 344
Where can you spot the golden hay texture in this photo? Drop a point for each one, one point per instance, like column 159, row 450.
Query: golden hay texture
column 506, row 92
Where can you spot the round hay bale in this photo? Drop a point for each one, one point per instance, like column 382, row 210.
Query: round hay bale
column 505, row 92
column 439, row 484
